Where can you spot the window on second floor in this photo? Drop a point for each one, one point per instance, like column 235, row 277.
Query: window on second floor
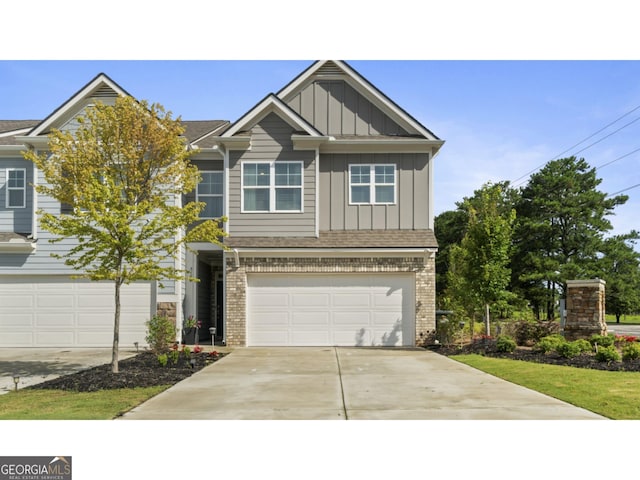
column 372, row 184
column 272, row 186
column 16, row 187
column 210, row 191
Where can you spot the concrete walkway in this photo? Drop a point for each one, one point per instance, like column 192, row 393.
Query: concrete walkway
column 348, row 383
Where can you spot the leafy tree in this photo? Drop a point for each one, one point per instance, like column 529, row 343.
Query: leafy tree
column 122, row 172
column 479, row 266
column 450, row 227
column 620, row 268
column 560, row 228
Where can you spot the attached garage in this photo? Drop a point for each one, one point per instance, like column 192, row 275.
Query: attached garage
column 55, row 311
column 338, row 309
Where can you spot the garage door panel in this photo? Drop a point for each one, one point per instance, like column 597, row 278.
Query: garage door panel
column 17, row 339
column 53, row 338
column 356, row 318
column 353, row 300
column 310, row 300
column 344, row 309
column 11, row 300
column 310, row 318
column 310, row 338
column 54, row 319
column 61, row 300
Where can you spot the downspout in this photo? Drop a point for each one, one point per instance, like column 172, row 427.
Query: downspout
column 34, row 205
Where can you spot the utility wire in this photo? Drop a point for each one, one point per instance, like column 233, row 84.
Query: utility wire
column 624, row 190
column 515, row 182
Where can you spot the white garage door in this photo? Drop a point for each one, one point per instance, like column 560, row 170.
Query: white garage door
column 341, row 309
column 59, row 312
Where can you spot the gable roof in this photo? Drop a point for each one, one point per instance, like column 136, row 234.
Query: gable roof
column 336, row 69
column 101, row 85
column 270, row 104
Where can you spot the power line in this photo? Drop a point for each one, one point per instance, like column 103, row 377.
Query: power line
column 623, row 190
column 515, row 182
column 616, row 159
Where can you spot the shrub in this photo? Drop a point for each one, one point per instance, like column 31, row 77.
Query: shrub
column 584, row 345
column 549, row 343
column 631, row 351
column 162, row 359
column 526, row 332
column 174, row 355
column 602, row 340
column 569, row 349
column 505, row 344
column 607, row 354
column 161, row 332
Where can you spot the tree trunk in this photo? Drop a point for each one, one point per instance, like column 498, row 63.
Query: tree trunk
column 617, row 318
column 487, row 325
column 116, row 328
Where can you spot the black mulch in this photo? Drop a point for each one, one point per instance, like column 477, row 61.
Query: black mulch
column 141, row 370
column 528, row 355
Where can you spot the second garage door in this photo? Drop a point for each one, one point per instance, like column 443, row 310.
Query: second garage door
column 341, row 309
column 56, row 311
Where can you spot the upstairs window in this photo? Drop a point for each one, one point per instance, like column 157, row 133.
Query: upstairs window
column 272, row 187
column 209, row 191
column 16, row 187
column 372, row 184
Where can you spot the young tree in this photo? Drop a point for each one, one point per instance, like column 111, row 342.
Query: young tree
column 561, row 223
column 479, row 266
column 123, row 173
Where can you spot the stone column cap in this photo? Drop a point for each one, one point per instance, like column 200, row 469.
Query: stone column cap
column 590, row 282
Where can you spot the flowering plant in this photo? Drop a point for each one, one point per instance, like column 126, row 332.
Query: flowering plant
column 197, row 349
column 191, row 322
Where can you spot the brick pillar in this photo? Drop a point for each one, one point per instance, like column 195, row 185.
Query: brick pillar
column 585, row 309
column 167, row 309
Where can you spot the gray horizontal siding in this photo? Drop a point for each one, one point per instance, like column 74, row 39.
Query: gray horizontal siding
column 336, row 108
column 271, row 140
column 411, row 212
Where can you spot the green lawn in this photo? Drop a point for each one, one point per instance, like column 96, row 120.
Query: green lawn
column 615, row 395
column 626, row 319
column 62, row 405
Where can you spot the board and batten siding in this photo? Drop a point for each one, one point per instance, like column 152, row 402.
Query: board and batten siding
column 411, row 210
column 335, row 108
column 17, row 220
column 271, row 141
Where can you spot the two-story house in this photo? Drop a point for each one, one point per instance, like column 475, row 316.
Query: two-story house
column 328, row 190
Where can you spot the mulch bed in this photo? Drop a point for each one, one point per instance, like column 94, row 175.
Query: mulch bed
column 141, row 370
column 528, row 355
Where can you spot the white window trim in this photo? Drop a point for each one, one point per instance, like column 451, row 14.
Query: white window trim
column 272, row 186
column 10, row 189
column 211, row 195
column 372, row 183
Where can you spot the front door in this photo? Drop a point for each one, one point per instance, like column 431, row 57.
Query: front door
column 219, row 307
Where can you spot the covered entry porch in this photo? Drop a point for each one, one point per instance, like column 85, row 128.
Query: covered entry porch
column 204, row 299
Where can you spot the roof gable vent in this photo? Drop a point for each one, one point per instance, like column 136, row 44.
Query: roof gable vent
column 329, row 68
column 105, row 91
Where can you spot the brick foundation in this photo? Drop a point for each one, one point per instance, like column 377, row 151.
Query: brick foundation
column 585, row 309
column 236, row 285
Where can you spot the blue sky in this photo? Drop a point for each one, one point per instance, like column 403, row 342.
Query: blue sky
column 500, row 119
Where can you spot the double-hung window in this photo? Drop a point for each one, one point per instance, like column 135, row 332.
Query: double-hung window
column 16, row 179
column 210, row 191
column 272, row 186
column 372, row 184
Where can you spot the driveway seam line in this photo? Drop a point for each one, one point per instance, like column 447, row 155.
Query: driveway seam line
column 344, row 405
